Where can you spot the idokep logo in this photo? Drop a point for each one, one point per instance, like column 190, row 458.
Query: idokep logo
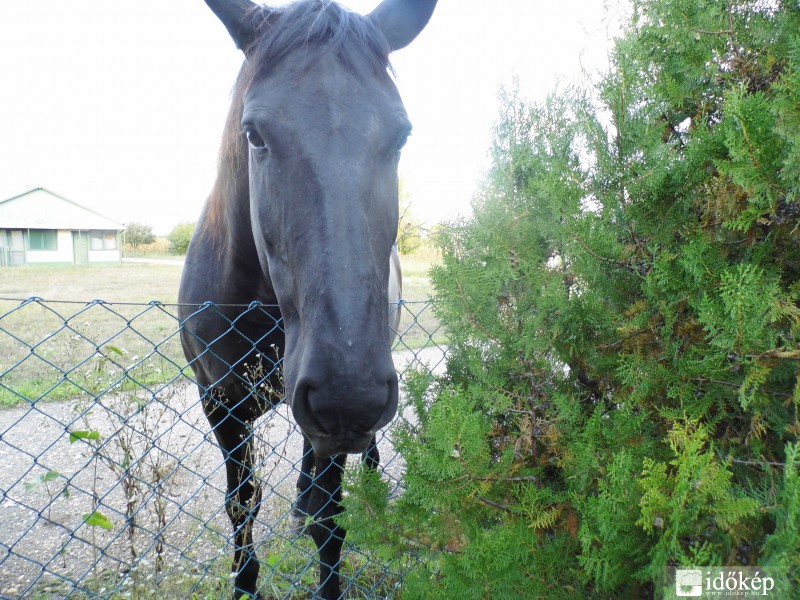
column 689, row 582
column 712, row 582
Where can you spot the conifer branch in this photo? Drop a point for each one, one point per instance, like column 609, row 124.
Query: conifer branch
column 777, row 354
column 495, row 504
column 720, row 32
column 758, row 463
column 618, row 263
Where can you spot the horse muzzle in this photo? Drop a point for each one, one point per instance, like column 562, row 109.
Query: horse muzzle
column 343, row 419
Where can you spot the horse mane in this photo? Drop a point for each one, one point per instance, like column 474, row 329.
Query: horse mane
column 306, row 24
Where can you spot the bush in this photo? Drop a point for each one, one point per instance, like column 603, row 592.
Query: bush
column 623, row 311
column 409, row 232
column 180, row 237
column 138, row 234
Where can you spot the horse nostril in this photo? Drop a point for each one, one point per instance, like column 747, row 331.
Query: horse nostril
column 390, row 408
column 303, row 410
column 345, row 412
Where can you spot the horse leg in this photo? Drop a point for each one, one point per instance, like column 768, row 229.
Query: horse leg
column 325, row 505
column 242, row 501
column 304, row 482
column 372, row 457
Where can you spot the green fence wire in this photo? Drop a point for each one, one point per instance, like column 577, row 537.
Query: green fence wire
column 111, row 485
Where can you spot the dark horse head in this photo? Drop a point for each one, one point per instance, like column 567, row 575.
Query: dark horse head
column 322, row 125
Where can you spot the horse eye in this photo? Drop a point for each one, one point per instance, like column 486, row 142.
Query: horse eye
column 403, row 139
column 255, row 140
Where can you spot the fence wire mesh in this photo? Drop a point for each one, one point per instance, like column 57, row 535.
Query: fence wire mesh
column 112, row 484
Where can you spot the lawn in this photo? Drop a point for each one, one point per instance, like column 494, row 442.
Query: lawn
column 95, row 328
column 145, row 282
column 129, row 282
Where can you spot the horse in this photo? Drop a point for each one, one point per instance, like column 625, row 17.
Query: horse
column 300, row 228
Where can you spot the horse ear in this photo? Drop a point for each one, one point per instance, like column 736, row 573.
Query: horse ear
column 242, row 19
column 402, row 20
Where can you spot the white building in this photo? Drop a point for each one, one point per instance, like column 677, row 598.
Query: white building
column 40, row 227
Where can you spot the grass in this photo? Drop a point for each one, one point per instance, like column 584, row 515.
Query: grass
column 98, row 328
column 69, row 345
column 58, row 350
column 129, row 282
column 143, row 283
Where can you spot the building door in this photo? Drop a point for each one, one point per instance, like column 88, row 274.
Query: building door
column 80, row 247
column 17, row 248
column 5, row 248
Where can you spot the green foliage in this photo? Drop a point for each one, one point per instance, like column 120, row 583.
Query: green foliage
column 410, row 233
column 782, row 547
column 44, row 478
column 139, row 234
column 75, row 436
column 180, row 237
column 691, row 502
column 623, row 316
column 98, row 519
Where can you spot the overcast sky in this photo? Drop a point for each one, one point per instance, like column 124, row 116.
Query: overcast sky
column 119, row 105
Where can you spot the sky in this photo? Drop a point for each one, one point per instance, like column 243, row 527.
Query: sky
column 119, row 105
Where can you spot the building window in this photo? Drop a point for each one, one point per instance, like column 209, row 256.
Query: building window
column 42, row 239
column 104, row 240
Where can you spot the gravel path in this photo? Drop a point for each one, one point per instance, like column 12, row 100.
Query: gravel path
column 175, row 485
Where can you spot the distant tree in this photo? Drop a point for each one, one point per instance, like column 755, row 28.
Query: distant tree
column 180, row 237
column 409, row 231
column 432, row 236
column 139, row 234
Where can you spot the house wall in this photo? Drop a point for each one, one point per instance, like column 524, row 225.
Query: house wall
column 106, row 254
column 64, row 253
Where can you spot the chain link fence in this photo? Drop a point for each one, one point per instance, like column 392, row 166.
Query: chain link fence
column 112, row 485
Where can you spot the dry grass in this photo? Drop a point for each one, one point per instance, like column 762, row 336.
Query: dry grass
column 68, row 344
column 122, row 321
column 146, row 282
column 129, row 282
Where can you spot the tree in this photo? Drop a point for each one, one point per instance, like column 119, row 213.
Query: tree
column 409, row 231
column 623, row 311
column 138, row 234
column 180, row 237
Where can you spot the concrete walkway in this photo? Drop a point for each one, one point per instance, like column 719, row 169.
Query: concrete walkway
column 155, row 261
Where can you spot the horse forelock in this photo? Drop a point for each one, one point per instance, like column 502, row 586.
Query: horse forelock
column 303, row 25
column 316, row 23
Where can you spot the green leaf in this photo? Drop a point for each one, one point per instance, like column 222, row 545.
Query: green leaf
column 74, row 436
column 115, row 350
column 98, row 519
column 44, row 478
